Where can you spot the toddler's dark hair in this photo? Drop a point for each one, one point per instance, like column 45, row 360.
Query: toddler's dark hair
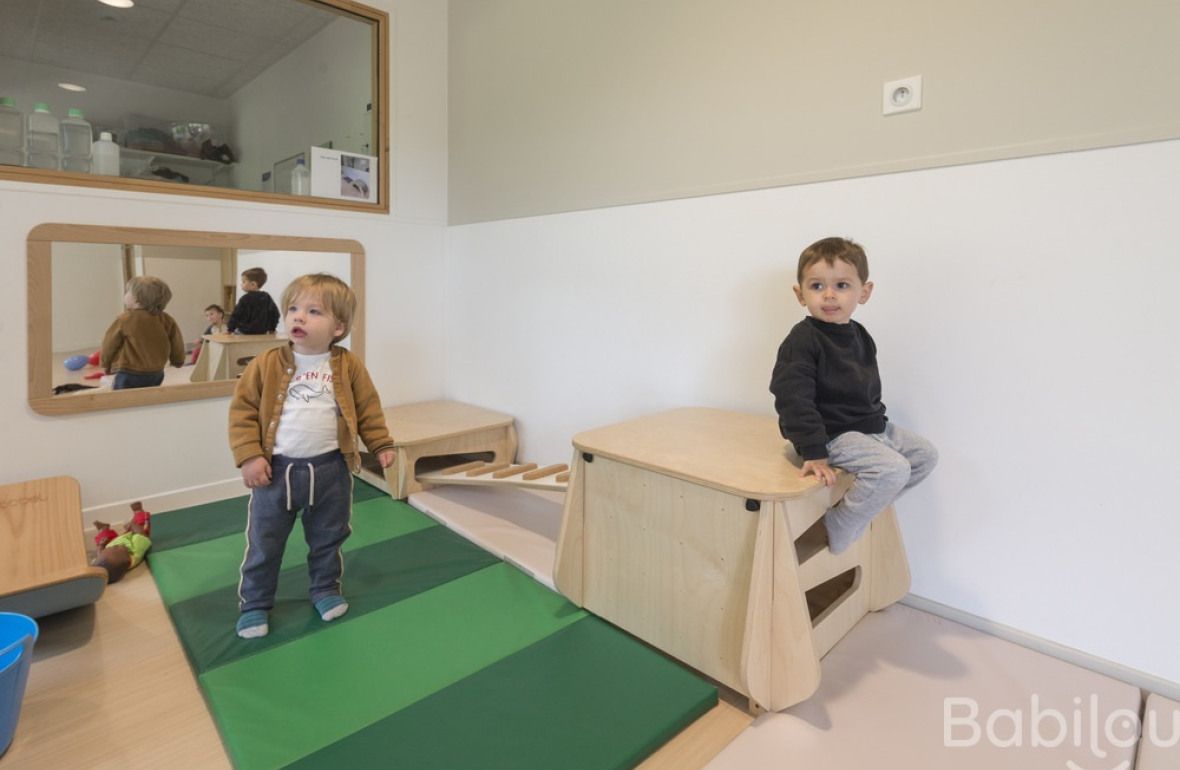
column 255, row 274
column 831, row 249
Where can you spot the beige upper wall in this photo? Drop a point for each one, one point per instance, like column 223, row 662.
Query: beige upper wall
column 559, row 105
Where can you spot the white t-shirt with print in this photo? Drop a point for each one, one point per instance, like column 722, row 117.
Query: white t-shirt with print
column 307, row 426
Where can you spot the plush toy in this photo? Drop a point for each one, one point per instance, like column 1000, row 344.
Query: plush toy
column 120, row 553
column 74, row 363
column 94, row 358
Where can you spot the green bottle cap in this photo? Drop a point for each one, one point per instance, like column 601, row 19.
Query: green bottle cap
column 74, row 112
column 40, row 107
column 7, row 101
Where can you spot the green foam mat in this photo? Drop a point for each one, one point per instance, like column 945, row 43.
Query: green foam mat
column 176, row 529
column 447, row 657
column 374, row 576
column 354, row 674
column 198, row 568
column 584, row 698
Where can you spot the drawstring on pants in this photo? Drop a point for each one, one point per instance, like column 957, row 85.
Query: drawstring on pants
column 310, row 484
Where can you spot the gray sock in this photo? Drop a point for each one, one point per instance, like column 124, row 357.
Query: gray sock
column 843, row 529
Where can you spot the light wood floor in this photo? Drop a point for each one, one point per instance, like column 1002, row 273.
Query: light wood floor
column 110, row 688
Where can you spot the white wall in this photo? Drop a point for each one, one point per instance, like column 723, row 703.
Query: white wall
column 87, row 293
column 1023, row 318
column 128, row 454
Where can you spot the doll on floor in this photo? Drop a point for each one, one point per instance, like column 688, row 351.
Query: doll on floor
column 120, row 553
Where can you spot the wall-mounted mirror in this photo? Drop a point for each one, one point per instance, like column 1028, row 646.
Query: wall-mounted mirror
column 217, row 99
column 76, row 276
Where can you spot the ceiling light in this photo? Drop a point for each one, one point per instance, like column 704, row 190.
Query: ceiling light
column 71, row 86
column 118, row 3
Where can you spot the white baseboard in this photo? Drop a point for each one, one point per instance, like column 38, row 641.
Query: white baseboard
column 120, row 510
column 1131, row 676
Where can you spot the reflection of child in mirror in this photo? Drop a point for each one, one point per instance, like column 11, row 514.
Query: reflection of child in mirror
column 119, row 553
column 215, row 317
column 142, row 340
column 256, row 312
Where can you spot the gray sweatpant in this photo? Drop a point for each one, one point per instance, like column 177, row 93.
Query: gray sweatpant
column 885, row 465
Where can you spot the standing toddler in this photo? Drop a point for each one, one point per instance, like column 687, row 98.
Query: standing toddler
column 294, row 423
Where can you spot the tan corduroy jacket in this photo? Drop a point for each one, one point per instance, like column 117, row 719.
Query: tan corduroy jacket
column 257, row 406
column 142, row 342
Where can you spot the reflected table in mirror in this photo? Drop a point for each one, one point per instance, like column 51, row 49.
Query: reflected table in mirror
column 221, row 353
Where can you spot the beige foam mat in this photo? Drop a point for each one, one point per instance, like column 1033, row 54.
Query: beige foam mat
column 906, row 689
column 518, row 525
column 1159, row 748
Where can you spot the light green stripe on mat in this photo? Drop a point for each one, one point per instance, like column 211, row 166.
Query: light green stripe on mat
column 280, row 705
column 191, row 570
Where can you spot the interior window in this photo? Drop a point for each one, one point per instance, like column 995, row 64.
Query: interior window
column 274, row 99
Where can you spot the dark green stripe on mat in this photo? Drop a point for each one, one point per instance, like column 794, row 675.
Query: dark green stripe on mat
column 173, row 529
column 362, row 491
column 374, row 576
column 586, row 698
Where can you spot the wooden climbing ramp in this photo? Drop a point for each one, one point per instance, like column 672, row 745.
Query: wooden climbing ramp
column 490, row 474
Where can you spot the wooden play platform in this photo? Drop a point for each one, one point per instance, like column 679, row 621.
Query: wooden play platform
column 432, row 435
column 45, row 569
column 693, row 530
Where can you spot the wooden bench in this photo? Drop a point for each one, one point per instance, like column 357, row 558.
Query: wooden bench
column 45, row 568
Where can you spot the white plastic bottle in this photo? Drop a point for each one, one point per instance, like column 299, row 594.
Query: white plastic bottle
column 41, row 138
column 104, row 156
column 12, row 133
column 76, row 139
column 300, row 179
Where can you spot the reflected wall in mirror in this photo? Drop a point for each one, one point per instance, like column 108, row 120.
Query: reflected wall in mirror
column 76, row 277
column 208, row 103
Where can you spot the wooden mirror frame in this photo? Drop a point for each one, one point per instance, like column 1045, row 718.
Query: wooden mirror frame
column 380, row 100
column 40, row 307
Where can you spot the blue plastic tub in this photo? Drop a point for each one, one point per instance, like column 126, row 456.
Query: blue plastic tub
column 18, row 633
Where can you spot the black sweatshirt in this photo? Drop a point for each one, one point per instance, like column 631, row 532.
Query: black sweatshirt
column 825, row 382
column 255, row 313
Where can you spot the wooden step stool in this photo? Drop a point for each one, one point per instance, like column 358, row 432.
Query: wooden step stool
column 443, row 429
column 693, row 530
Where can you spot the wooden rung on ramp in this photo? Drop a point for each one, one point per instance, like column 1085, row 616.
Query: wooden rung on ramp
column 485, row 474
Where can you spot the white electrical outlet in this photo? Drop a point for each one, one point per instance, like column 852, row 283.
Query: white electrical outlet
column 903, row 95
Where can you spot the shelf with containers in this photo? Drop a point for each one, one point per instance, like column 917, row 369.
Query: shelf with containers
column 145, row 164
